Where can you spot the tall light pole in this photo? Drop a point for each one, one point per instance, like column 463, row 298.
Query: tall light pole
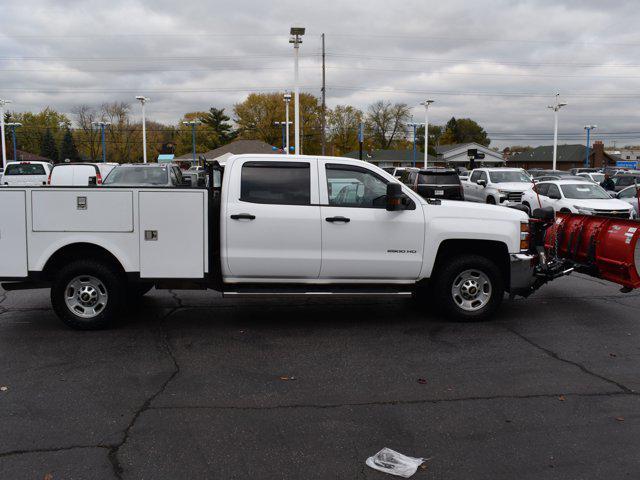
column 193, row 124
column 556, row 107
column 284, row 126
column 296, row 40
column 415, row 134
column 13, row 127
column 102, row 125
column 426, row 104
column 142, row 101
column 588, row 128
column 287, row 100
column 4, row 145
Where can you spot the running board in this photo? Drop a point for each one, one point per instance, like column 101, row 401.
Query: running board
column 273, row 289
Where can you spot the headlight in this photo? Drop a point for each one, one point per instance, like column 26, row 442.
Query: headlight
column 584, row 210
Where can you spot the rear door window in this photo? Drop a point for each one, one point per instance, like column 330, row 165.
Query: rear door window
column 281, row 183
column 25, row 169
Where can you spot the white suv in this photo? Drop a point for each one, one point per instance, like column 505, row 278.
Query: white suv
column 497, row 186
column 26, row 173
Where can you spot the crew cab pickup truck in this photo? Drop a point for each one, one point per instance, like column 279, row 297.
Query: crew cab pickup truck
column 496, row 186
column 267, row 225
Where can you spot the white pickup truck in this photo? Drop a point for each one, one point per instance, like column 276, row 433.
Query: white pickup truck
column 268, row 225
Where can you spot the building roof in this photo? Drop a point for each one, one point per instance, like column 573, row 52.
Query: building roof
column 544, row 153
column 237, row 147
column 26, row 156
column 379, row 155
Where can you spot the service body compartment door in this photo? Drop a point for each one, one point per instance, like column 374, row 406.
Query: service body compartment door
column 13, row 234
column 172, row 234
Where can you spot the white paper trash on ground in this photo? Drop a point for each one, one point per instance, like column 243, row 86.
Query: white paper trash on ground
column 394, row 463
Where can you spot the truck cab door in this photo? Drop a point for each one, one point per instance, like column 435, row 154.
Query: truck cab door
column 361, row 240
column 271, row 220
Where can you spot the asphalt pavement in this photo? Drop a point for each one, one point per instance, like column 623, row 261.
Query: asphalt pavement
column 193, row 386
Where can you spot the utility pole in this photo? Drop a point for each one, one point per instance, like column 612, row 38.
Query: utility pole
column 588, row 128
column 296, row 40
column 426, row 104
column 13, row 127
column 360, row 139
column 102, row 125
column 558, row 105
column 415, row 135
column 285, row 128
column 4, row 145
column 143, row 100
column 287, row 100
column 324, row 103
column 193, row 124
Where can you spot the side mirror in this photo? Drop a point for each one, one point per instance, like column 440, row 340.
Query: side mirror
column 481, row 182
column 394, row 197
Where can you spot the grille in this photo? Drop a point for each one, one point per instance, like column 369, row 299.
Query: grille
column 612, row 213
column 514, row 196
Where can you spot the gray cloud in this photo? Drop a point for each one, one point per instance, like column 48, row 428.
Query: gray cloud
column 499, row 62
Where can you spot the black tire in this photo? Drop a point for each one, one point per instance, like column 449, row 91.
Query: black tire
column 491, row 200
column 135, row 291
column 528, row 207
column 90, row 274
column 451, row 272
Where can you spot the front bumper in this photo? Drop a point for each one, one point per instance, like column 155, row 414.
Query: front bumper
column 522, row 267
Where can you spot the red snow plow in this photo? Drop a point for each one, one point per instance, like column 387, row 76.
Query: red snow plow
column 602, row 247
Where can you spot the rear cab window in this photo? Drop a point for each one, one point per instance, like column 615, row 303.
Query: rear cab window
column 280, row 183
column 25, row 169
column 438, row 178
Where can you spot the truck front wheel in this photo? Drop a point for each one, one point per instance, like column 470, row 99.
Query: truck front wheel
column 469, row 288
column 87, row 294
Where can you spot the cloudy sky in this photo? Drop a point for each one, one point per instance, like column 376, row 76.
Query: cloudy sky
column 499, row 62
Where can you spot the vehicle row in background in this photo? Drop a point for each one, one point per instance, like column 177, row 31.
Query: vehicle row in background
column 79, row 174
column 442, row 183
column 26, row 173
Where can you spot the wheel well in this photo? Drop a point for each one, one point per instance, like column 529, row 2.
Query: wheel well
column 76, row 251
column 493, row 250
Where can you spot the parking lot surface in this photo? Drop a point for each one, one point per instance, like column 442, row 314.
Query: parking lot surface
column 195, row 386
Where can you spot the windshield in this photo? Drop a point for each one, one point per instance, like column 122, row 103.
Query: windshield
column 137, row 176
column 509, row 176
column 584, row 191
column 597, row 177
column 25, row 169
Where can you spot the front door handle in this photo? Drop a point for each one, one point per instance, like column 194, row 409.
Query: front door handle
column 243, row 216
column 338, row 219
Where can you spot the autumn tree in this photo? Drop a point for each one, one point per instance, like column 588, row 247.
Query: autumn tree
column 36, row 125
column 386, row 123
column 342, row 124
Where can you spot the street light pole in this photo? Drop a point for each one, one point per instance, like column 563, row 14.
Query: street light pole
column 13, row 127
column 193, row 124
column 426, row 104
column 588, row 128
column 143, row 100
column 558, row 105
column 296, row 40
column 102, row 125
column 287, row 99
column 415, row 134
column 4, row 146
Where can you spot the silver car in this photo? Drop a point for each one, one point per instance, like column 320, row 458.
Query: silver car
column 630, row 195
column 149, row 174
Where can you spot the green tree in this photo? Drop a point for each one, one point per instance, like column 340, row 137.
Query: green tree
column 464, row 130
column 342, row 125
column 435, row 134
column 48, row 147
column 218, row 121
column 68, row 149
column 35, row 126
column 206, row 137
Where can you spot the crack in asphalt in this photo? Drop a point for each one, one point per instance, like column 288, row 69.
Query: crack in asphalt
column 177, row 299
column 557, row 356
column 115, row 448
column 397, row 402
column 50, row 450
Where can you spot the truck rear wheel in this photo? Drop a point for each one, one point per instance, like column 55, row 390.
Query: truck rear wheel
column 469, row 288
column 87, row 294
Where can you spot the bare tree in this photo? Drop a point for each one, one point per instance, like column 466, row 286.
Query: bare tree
column 124, row 135
column 385, row 122
column 88, row 137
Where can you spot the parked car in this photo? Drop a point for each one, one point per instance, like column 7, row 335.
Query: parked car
column 79, row 174
column 625, row 180
column 197, row 175
column 397, row 171
column 595, row 177
column 498, row 186
column 577, row 171
column 26, row 173
column 437, row 183
column 570, row 196
column 546, row 178
column 389, row 170
column 152, row 174
column 555, row 173
column 630, row 195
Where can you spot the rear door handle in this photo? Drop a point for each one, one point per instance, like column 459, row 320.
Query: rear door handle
column 338, row 219
column 243, row 216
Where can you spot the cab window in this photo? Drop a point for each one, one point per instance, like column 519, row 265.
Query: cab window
column 554, row 191
column 474, row 176
column 281, row 183
column 352, row 186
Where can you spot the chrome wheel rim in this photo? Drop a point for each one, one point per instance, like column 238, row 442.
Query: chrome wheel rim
column 471, row 290
column 86, row 296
